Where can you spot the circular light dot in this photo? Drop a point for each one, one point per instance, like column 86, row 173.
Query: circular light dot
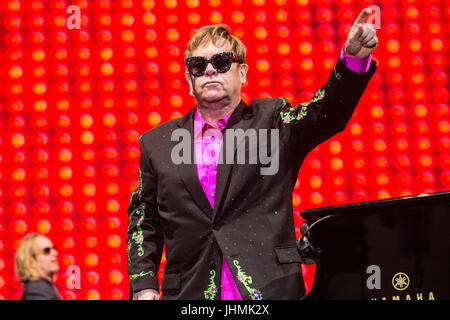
column 43, row 226
column 317, row 198
column 115, row 277
column 337, row 163
column 87, row 137
column 17, row 140
column 154, row 119
column 335, row 147
column 315, row 182
column 112, row 206
column 114, row 241
column 92, row 294
column 91, row 260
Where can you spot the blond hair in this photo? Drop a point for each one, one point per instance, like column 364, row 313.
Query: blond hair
column 24, row 259
column 214, row 33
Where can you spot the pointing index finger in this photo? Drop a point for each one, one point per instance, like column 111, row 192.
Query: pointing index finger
column 362, row 16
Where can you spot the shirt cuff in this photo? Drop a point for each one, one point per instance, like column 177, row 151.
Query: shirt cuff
column 360, row 66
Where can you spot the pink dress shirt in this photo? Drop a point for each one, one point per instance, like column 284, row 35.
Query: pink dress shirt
column 207, row 145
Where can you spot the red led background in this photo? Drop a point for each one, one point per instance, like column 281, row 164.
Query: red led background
column 74, row 102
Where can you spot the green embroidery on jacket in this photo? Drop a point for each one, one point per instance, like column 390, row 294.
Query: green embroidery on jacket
column 128, row 251
column 293, row 113
column 247, row 281
column 137, row 236
column 337, row 74
column 142, row 274
column 318, row 96
column 211, row 292
column 287, row 117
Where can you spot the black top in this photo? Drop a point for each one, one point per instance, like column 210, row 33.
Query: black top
column 41, row 289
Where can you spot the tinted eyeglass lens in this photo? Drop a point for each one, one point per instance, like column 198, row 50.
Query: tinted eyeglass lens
column 221, row 62
column 198, row 65
column 47, row 250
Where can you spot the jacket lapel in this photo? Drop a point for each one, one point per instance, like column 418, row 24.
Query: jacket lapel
column 188, row 172
column 236, row 121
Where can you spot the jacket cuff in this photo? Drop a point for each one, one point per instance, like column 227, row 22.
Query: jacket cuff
column 143, row 281
column 341, row 70
column 356, row 64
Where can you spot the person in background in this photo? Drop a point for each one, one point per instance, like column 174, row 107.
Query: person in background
column 36, row 265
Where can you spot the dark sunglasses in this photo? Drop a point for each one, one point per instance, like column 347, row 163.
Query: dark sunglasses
column 220, row 61
column 46, row 251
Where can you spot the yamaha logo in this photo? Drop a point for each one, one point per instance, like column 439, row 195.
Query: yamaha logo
column 400, row 281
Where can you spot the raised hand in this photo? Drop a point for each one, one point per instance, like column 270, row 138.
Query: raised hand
column 361, row 40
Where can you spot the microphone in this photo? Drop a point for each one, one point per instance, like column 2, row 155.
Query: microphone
column 308, row 252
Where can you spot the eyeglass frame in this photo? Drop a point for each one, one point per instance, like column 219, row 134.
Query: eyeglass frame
column 208, row 61
column 46, row 251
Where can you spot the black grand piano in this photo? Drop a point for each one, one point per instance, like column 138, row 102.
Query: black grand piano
column 396, row 249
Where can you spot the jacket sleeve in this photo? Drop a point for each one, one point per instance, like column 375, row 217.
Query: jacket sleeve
column 308, row 124
column 144, row 234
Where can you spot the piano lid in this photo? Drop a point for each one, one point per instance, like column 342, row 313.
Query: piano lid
column 378, row 205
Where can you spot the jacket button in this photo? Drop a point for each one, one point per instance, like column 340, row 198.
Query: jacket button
column 216, row 227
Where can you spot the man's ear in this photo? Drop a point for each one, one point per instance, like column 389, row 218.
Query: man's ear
column 243, row 68
column 187, row 75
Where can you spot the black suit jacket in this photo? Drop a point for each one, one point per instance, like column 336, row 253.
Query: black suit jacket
column 41, row 289
column 252, row 223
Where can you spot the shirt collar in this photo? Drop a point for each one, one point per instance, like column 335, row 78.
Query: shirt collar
column 200, row 124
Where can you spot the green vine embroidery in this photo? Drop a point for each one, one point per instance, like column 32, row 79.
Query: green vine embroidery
column 292, row 115
column 211, row 292
column 318, row 96
column 142, row 274
column 137, row 236
column 128, row 251
column 337, row 74
column 247, row 281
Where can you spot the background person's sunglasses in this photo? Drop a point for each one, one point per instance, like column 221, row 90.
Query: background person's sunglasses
column 220, row 61
column 46, row 251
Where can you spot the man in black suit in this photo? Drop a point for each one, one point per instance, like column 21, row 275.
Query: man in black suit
column 226, row 220
column 36, row 264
